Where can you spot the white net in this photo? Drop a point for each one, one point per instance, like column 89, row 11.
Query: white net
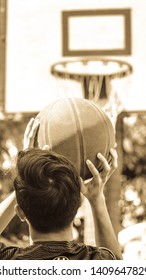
column 119, row 91
column 65, row 87
column 104, row 81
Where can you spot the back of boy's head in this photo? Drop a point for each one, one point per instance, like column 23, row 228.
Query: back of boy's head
column 47, row 189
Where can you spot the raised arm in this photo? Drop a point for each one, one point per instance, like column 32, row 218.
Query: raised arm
column 93, row 191
column 7, row 211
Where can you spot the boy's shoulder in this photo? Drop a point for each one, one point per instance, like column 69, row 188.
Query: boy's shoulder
column 56, row 250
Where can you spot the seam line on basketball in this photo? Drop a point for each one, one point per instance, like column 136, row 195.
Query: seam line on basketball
column 106, row 127
column 80, row 139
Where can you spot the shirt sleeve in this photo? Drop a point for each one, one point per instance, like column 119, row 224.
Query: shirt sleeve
column 7, row 253
column 107, row 254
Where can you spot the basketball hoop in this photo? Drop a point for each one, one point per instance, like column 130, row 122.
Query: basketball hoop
column 94, row 79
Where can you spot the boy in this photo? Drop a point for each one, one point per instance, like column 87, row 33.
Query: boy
column 47, row 196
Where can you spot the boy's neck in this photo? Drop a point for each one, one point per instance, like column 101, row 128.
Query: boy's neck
column 64, row 235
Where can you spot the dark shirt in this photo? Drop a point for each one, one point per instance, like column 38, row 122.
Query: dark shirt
column 55, row 250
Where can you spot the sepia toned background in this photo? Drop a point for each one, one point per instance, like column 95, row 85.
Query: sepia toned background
column 36, row 34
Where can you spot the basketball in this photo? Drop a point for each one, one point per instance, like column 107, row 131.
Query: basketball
column 77, row 129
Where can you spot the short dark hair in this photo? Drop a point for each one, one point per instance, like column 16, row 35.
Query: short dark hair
column 47, row 189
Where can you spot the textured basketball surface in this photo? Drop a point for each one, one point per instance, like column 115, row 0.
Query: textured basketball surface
column 77, row 129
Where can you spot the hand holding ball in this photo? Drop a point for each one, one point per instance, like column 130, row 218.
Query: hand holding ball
column 77, row 129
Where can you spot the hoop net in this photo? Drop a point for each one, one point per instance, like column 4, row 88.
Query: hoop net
column 104, row 81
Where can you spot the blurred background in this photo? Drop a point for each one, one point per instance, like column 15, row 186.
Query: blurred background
column 90, row 49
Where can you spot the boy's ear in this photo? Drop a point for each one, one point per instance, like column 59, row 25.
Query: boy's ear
column 20, row 213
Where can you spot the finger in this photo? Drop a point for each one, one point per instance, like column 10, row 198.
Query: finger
column 46, row 147
column 29, row 127
column 26, row 133
column 93, row 171
column 115, row 146
column 32, row 135
column 87, row 181
column 104, row 162
column 114, row 156
column 34, row 128
column 83, row 188
column 30, row 132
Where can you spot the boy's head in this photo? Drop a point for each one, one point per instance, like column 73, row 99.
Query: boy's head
column 47, row 189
